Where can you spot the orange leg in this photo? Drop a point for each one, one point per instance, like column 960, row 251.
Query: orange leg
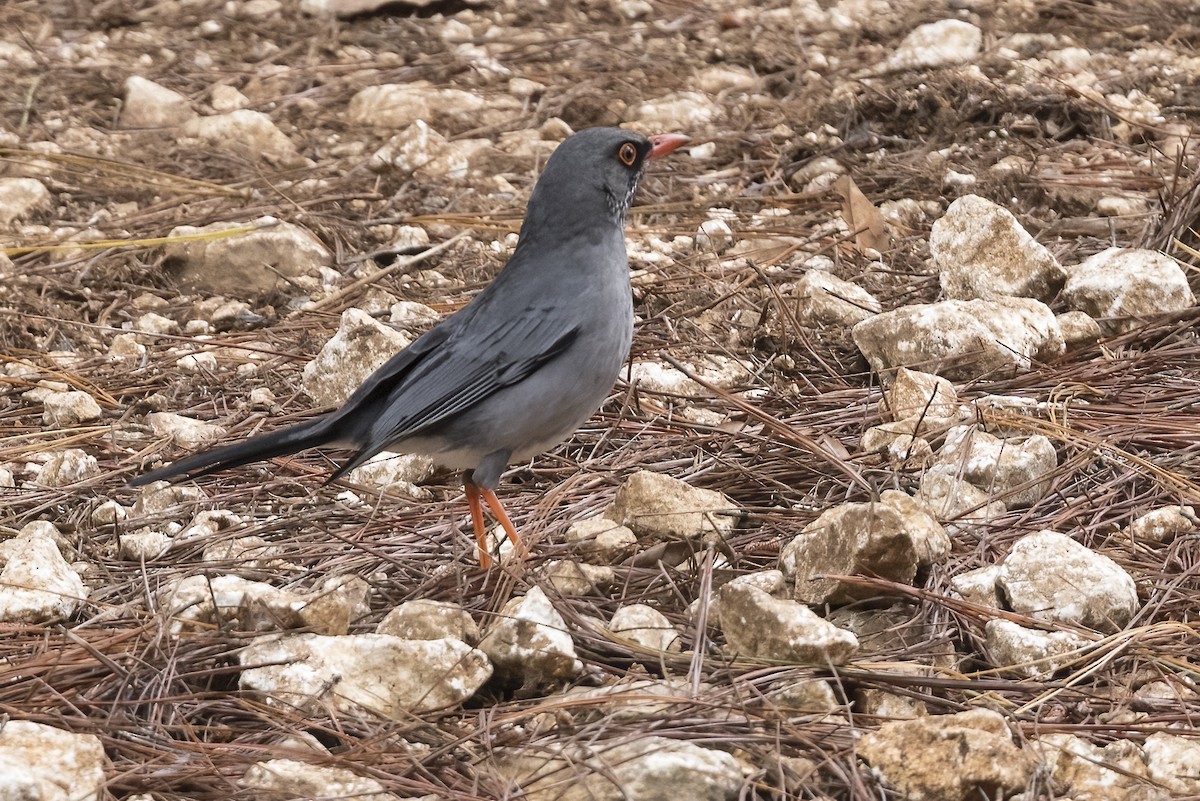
column 485, row 559
column 498, row 510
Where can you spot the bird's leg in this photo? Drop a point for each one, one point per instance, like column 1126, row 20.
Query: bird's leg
column 498, row 510
column 485, row 559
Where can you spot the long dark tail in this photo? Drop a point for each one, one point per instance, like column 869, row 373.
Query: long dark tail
column 322, row 431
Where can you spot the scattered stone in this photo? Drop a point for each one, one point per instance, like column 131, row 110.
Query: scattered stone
column 1174, row 762
column 602, row 539
column 423, row 619
column 42, row 763
column 1164, row 524
column 825, row 299
column 889, row 540
column 882, row 704
column 151, row 105
column 358, row 673
column 803, row 695
column 978, row 586
column 757, row 625
column 961, row 339
column 981, row 251
column 902, row 449
column 719, row 371
column 409, row 150
column 256, row 260
column 714, row 235
column 1017, row 471
column 244, row 131
column 1116, row 772
column 649, row 769
column 67, row 467
column 109, row 513
column 361, row 345
column 569, row 577
column 1127, row 283
column 162, row 497
column 125, row 347
column 655, row 506
column 285, row 779
column 144, row 544
column 630, row 699
column 37, row 585
column 678, row 111
column 70, row 408
column 20, row 197
column 224, row 98
column 1031, row 653
column 1049, row 576
column 395, row 106
column 1078, row 329
column 204, row 361
column 528, row 641
column 198, row 601
column 183, row 431
column 645, row 626
column 925, row 398
column 208, row 522
column 153, row 323
column 960, row 757
column 957, row 503
column 395, row 472
column 936, row 44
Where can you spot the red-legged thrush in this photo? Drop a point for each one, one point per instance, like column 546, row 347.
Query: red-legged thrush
column 518, row 369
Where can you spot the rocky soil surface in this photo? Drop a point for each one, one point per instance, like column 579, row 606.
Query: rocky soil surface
column 895, row 500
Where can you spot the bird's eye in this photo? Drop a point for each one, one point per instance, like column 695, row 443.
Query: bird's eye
column 627, row 154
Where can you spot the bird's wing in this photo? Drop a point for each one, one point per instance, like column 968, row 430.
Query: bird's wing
column 452, row 372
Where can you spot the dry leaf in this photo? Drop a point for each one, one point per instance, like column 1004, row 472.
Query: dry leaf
column 861, row 216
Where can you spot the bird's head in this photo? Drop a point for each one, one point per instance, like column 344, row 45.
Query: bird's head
column 591, row 178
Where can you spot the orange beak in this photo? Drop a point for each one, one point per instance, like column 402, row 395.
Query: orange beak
column 662, row 144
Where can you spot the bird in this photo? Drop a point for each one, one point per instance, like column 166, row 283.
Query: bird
column 518, row 369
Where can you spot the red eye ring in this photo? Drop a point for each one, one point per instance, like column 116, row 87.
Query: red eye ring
column 627, row 154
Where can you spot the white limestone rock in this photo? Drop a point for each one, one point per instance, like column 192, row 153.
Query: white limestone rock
column 948, row 757
column 1164, row 524
column 287, row 779
column 37, row 585
column 1049, row 576
column 956, row 503
column 935, row 44
column 42, row 763
column 395, row 472
column 1017, row 471
column 601, row 539
column 645, row 626
column 185, row 432
column 757, row 625
column 887, row 539
column 1031, row 653
column 961, row 339
column 361, row 345
column 63, row 409
column 197, row 601
column 529, row 642
column 1127, row 283
column 245, row 265
column 423, row 619
column 824, row 299
column 152, row 105
column 656, row 506
column 66, row 467
column 1116, row 772
column 568, row 577
column 647, row 769
column 244, row 131
column 677, row 111
column 1174, row 761
column 20, row 198
column 981, row 251
column 362, row 673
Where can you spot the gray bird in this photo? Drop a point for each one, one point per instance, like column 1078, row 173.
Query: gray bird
column 519, row 368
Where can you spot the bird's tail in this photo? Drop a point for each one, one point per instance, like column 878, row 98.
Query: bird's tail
column 322, row 431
